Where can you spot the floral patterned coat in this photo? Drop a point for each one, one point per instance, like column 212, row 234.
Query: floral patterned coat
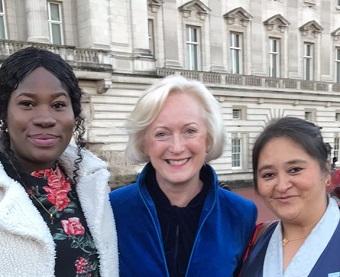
column 26, row 244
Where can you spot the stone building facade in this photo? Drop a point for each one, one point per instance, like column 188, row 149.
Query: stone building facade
column 261, row 59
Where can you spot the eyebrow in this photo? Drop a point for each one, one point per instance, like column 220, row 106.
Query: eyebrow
column 33, row 95
column 296, row 161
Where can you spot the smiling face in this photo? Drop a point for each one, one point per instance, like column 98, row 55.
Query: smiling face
column 40, row 120
column 291, row 182
column 176, row 141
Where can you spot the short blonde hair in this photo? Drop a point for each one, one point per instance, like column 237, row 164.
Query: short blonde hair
column 150, row 105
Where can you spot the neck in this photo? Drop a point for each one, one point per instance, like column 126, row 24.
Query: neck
column 181, row 194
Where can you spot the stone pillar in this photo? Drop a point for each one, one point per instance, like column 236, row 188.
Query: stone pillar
column 37, row 21
column 171, row 34
column 93, row 24
column 139, row 21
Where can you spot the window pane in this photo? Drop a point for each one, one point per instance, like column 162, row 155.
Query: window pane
column 338, row 54
column 274, row 45
column 336, row 147
column 192, row 45
column 235, row 152
column 151, row 36
column 338, row 72
column 274, row 66
column 56, row 33
column 54, row 8
column 2, row 28
column 1, row 7
column 236, row 113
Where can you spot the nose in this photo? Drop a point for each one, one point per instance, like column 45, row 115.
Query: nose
column 177, row 144
column 44, row 118
column 283, row 183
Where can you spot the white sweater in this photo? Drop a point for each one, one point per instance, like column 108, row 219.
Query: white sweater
column 26, row 245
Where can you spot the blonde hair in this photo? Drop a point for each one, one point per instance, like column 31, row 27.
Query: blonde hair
column 150, row 105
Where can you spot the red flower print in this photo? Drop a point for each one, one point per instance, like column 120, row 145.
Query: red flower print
column 81, row 264
column 57, row 187
column 58, row 198
column 73, row 226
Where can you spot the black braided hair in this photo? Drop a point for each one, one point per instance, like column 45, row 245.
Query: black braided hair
column 20, row 64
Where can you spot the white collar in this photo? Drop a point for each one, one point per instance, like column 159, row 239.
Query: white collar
column 309, row 252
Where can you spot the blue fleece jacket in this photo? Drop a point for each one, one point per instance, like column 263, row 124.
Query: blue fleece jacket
column 226, row 224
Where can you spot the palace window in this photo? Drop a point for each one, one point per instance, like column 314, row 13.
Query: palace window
column 274, row 57
column 337, row 64
column 236, row 152
column 55, row 23
column 3, row 33
column 193, row 34
column 236, row 55
column 151, row 36
column 308, row 61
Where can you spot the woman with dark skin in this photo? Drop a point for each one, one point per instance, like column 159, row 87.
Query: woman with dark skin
column 55, row 218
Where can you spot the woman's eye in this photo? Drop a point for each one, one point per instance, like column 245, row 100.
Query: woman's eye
column 267, row 176
column 161, row 135
column 294, row 170
column 59, row 105
column 190, row 131
column 26, row 104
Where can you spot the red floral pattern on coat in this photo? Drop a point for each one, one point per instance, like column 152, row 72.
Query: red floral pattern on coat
column 68, row 226
column 57, row 187
column 73, row 227
column 81, row 265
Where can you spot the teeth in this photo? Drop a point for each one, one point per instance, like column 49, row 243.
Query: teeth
column 177, row 162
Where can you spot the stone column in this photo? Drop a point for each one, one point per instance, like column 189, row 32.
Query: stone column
column 139, row 27
column 93, row 23
column 37, row 21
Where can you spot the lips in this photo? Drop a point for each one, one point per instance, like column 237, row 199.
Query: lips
column 284, row 199
column 44, row 140
column 177, row 162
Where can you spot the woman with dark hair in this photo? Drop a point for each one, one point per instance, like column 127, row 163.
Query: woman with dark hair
column 291, row 173
column 55, row 216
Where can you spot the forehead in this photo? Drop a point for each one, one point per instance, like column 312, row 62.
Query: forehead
column 179, row 106
column 40, row 81
column 282, row 149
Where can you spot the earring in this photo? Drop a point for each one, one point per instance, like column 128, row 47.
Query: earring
column 3, row 126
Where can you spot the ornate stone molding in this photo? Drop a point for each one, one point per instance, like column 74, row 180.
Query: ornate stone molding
column 336, row 34
column 312, row 28
column 238, row 16
column 276, row 22
column 195, row 5
column 154, row 5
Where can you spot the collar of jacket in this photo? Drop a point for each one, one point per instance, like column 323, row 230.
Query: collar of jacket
column 209, row 202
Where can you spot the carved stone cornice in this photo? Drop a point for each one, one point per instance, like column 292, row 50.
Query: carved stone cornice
column 154, row 5
column 311, row 28
column 238, row 16
column 336, row 34
column 195, row 5
column 276, row 21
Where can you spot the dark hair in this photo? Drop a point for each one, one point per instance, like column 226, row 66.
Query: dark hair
column 302, row 132
column 20, row 64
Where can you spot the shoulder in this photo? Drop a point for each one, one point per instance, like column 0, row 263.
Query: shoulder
column 125, row 193
column 237, row 201
column 89, row 163
column 239, row 209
